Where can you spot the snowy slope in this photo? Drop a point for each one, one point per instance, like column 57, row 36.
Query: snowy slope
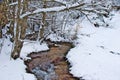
column 15, row 69
column 97, row 54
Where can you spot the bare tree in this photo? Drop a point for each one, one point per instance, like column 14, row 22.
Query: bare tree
column 18, row 26
column 51, row 15
column 43, row 19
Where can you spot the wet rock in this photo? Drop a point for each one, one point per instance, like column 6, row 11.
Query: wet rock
column 46, row 73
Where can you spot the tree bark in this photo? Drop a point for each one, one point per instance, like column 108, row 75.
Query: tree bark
column 43, row 20
column 20, row 32
column 17, row 43
column 12, row 25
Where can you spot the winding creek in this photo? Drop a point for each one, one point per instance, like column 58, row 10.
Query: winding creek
column 51, row 64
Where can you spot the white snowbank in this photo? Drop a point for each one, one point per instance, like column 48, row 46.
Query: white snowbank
column 97, row 54
column 15, row 69
column 32, row 47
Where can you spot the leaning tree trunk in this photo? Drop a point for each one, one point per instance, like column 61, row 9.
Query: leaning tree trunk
column 15, row 53
column 17, row 43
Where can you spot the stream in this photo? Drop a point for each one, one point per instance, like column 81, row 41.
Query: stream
column 51, row 64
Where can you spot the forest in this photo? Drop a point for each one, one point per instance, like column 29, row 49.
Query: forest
column 45, row 18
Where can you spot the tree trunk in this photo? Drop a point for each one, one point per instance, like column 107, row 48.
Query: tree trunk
column 17, row 43
column 43, row 21
column 11, row 31
column 12, row 24
column 16, row 53
column 20, row 32
column 24, row 21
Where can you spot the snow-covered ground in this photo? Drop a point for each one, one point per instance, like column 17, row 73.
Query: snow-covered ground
column 15, row 69
column 97, row 53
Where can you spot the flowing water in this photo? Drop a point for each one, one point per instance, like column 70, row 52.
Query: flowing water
column 51, row 64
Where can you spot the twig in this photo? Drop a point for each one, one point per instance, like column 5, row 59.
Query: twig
column 87, row 17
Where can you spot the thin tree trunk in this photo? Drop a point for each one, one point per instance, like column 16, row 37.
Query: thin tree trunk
column 43, row 21
column 11, row 31
column 20, row 31
column 17, row 43
column 24, row 21
column 12, row 25
column 15, row 52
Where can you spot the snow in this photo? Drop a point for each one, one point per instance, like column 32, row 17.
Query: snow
column 15, row 69
column 52, row 9
column 14, row 3
column 26, row 14
column 97, row 53
column 32, row 47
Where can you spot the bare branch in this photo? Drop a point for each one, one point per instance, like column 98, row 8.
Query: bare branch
column 52, row 9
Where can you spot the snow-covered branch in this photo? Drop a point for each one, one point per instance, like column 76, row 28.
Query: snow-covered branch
column 53, row 9
column 14, row 3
